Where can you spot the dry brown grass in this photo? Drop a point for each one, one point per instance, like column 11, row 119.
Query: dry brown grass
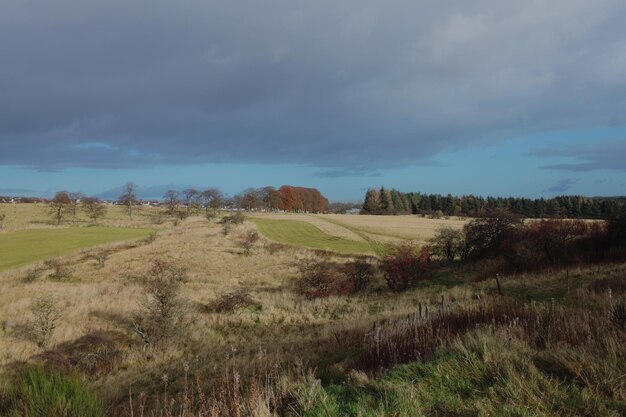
column 36, row 215
column 104, row 298
column 317, row 221
column 283, row 328
column 384, row 229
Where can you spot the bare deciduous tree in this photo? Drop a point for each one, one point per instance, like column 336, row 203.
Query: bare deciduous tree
column 171, row 201
column 60, row 206
column 94, row 208
column 189, row 195
column 129, row 198
column 211, row 199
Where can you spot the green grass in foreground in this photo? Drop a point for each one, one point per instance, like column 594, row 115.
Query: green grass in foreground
column 481, row 375
column 305, row 234
column 27, row 246
column 38, row 393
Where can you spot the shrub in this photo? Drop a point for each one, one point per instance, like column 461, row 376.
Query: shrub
column 231, row 220
column 101, row 258
column 60, row 270
column 404, row 265
column 236, row 218
column 36, row 392
column 273, row 247
column 318, row 278
column 94, row 354
column 163, row 311
column 46, row 315
column 32, row 274
column 233, row 301
column 247, row 241
column 437, row 215
column 322, row 278
column 358, row 273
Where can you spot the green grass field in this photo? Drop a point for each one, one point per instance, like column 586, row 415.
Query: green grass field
column 305, row 234
column 27, row 246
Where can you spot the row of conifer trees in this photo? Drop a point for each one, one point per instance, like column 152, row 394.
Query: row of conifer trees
column 391, row 201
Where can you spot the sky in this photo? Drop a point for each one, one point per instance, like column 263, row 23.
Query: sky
column 488, row 97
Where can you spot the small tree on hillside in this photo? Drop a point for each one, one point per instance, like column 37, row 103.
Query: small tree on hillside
column 163, row 311
column 447, row 243
column 189, row 195
column 60, row 206
column 94, row 208
column 247, row 241
column 129, row 198
column 404, row 265
column 485, row 234
column 46, row 315
column 2, row 220
column 211, row 199
column 171, row 201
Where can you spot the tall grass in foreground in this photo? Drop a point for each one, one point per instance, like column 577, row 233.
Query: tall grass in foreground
column 487, row 373
column 40, row 393
column 483, row 358
column 416, row 337
column 257, row 396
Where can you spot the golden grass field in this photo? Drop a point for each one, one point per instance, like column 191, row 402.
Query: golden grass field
column 285, row 330
column 382, row 228
column 104, row 298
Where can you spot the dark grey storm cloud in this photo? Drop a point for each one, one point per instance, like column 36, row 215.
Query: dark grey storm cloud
column 345, row 85
column 561, row 186
column 605, row 155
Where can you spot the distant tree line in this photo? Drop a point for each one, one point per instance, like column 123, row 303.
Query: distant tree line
column 286, row 198
column 66, row 205
column 390, row 201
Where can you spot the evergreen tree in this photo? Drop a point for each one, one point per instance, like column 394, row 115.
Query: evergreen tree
column 371, row 204
column 386, row 203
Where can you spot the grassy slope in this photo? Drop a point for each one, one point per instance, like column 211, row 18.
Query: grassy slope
column 494, row 373
column 26, row 246
column 305, row 234
column 485, row 375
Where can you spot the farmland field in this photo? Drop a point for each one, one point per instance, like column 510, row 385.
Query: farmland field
column 245, row 314
column 349, row 233
column 26, row 246
column 302, row 233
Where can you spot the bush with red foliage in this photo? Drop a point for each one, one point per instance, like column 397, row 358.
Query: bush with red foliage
column 322, row 278
column 404, row 265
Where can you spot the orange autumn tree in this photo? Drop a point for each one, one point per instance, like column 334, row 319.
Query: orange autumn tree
column 302, row 199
